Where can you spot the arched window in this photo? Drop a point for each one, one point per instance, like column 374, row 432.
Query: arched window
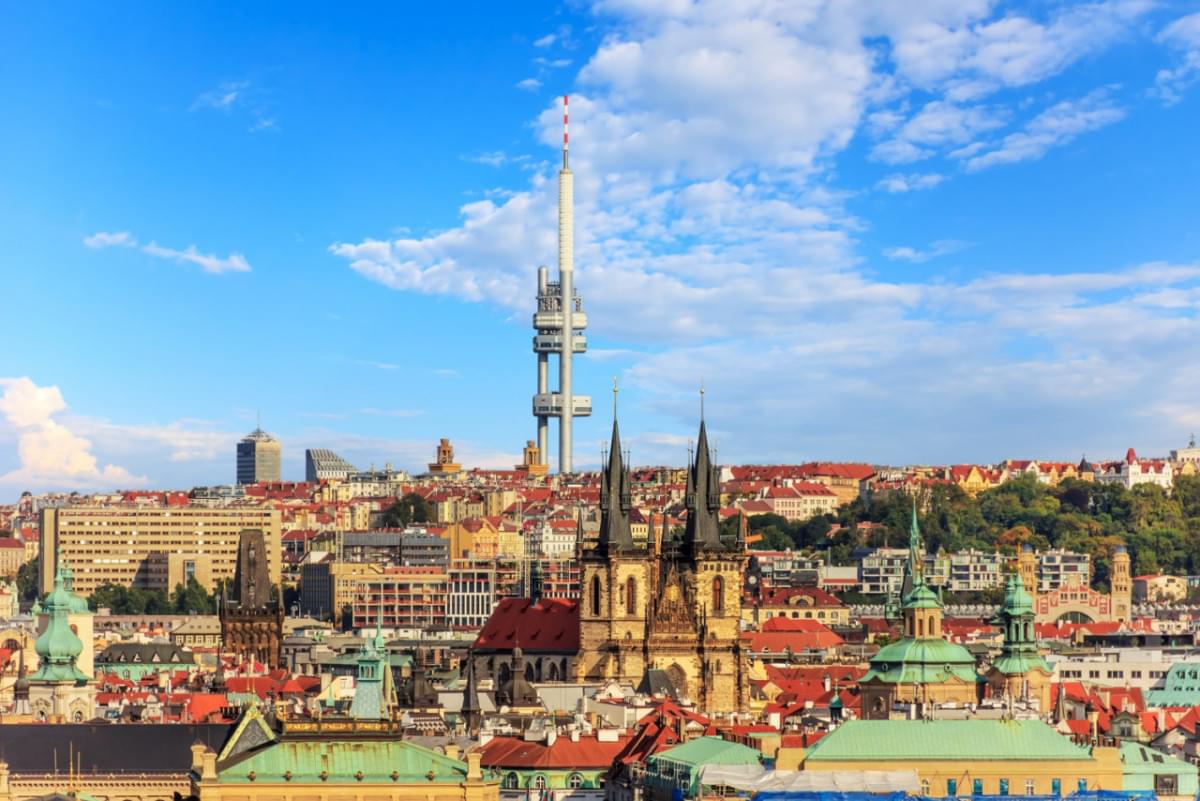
column 595, row 596
column 718, row 594
column 539, row 782
column 920, row 627
column 631, row 596
column 511, row 782
column 575, row 781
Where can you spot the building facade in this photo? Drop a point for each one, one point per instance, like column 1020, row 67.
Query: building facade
column 675, row 611
column 151, row 548
column 259, row 457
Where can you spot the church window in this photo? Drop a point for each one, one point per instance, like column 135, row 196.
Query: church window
column 511, row 782
column 576, row 781
column 718, row 593
column 925, row 787
column 920, row 627
column 595, row 596
column 631, row 595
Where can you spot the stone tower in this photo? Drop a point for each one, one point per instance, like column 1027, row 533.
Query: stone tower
column 693, row 627
column 616, row 582
column 1027, row 567
column 1122, row 585
column 252, row 622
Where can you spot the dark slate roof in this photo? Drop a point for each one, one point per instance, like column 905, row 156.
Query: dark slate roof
column 111, row 748
column 143, row 653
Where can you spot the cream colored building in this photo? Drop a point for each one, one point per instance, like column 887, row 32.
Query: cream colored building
column 152, row 548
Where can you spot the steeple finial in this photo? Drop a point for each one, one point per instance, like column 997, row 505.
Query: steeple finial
column 616, row 390
column 702, row 399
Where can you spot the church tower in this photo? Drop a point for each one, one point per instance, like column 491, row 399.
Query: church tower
column 616, row 581
column 1122, row 585
column 694, row 627
column 1019, row 671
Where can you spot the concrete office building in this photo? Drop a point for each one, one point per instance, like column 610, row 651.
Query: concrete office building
column 258, row 458
column 151, row 548
column 321, row 464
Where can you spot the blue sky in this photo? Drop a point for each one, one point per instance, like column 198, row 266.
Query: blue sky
column 922, row 232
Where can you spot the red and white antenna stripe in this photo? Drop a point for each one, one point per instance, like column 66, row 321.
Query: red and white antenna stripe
column 565, row 99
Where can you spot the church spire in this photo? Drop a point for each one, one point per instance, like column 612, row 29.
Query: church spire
column 615, row 499
column 702, row 500
column 472, row 714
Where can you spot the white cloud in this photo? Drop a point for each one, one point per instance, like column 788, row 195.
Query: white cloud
column 1057, row 125
column 912, row 182
column 1182, row 35
column 704, row 139
column 545, row 41
column 102, row 239
column 49, row 453
column 223, row 98
column 942, row 247
column 529, row 84
column 210, row 263
column 938, row 124
column 264, row 124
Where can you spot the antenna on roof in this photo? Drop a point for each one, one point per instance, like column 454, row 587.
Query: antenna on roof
column 565, row 143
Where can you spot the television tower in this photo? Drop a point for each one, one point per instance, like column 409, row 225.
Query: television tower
column 558, row 318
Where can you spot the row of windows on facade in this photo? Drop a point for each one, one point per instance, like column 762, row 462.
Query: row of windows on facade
column 539, row 781
column 631, row 605
column 1113, row 674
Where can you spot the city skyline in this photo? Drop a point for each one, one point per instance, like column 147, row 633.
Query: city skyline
column 925, row 235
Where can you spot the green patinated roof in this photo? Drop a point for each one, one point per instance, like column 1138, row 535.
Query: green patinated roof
column 890, row 740
column 921, row 661
column 342, row 759
column 1142, row 759
column 710, row 751
column 1017, row 601
column 922, row 597
column 1020, row 664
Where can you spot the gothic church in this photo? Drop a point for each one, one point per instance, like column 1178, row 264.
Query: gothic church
column 671, row 606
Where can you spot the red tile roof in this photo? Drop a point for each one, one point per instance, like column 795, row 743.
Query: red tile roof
column 565, row 753
column 549, row 626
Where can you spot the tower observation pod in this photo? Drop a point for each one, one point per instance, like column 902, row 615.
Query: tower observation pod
column 558, row 324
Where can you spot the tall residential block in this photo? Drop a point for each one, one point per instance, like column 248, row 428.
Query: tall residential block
column 258, row 458
column 152, row 548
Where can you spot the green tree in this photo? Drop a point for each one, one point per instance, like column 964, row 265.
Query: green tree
column 27, row 580
column 411, row 508
column 192, row 599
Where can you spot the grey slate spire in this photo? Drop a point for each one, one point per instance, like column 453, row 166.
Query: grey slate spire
column 703, row 500
column 615, row 501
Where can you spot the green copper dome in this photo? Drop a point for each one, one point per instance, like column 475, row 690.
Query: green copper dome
column 58, row 646
column 923, row 661
column 922, row 597
column 1017, row 601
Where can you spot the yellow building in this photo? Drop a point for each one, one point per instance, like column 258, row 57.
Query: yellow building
column 333, row 760
column 152, row 548
column 969, row 757
column 675, row 611
column 444, row 464
column 1074, row 600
